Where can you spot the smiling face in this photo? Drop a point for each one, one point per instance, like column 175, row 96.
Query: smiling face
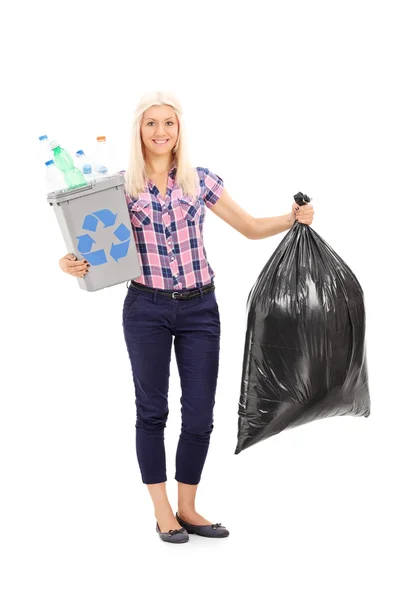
column 159, row 130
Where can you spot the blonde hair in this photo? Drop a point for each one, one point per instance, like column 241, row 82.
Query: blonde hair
column 135, row 177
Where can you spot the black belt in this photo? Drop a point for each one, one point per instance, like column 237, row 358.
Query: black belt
column 175, row 295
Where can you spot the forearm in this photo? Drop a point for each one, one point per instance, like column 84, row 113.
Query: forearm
column 267, row 226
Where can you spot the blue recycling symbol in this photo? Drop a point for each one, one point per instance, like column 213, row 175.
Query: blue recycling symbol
column 86, row 241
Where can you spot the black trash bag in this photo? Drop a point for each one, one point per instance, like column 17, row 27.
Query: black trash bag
column 304, row 356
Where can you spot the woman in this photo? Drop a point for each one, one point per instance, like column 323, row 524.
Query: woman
column 174, row 298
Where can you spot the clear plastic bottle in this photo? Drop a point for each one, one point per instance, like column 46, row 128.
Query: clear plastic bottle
column 63, row 161
column 103, row 162
column 55, row 179
column 45, row 150
column 85, row 165
column 88, row 173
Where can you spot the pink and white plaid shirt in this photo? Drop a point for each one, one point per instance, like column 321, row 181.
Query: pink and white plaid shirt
column 169, row 232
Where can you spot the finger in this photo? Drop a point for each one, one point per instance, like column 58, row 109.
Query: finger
column 75, row 270
column 72, row 258
column 80, row 273
column 82, row 264
column 68, row 263
column 78, row 263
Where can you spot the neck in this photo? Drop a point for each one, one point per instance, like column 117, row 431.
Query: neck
column 158, row 165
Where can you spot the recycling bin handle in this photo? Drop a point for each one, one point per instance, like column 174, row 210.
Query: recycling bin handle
column 78, row 190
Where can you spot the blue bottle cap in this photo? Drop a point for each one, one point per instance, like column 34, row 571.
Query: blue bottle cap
column 102, row 169
column 80, row 152
column 87, row 169
column 42, row 137
column 49, row 162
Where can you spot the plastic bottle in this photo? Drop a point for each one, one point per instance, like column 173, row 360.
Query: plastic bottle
column 55, row 179
column 85, row 165
column 63, row 161
column 88, row 173
column 45, row 150
column 104, row 166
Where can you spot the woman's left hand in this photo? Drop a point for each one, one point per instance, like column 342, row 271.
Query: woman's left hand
column 303, row 214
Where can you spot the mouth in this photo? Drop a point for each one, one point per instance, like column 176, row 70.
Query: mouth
column 160, row 142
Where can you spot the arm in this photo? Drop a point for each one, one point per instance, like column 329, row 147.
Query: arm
column 251, row 227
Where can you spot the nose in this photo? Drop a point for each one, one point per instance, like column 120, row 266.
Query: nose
column 160, row 133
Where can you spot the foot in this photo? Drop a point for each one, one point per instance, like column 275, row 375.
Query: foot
column 214, row 530
column 193, row 517
column 175, row 536
column 167, row 521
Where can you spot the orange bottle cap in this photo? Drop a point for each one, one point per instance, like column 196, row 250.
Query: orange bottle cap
column 101, row 138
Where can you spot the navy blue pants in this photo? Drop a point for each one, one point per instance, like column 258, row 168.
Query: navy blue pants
column 151, row 321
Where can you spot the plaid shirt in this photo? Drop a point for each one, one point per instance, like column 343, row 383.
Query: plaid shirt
column 169, row 233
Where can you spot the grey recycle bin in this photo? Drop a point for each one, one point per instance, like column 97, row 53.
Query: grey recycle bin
column 95, row 224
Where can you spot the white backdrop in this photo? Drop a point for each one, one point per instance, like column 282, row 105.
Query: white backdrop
column 278, row 97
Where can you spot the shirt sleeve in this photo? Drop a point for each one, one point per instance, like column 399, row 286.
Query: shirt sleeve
column 212, row 187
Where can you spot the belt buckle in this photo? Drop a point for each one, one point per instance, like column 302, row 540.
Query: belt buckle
column 173, row 294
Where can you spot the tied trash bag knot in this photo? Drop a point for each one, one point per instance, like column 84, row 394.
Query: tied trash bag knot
column 301, row 199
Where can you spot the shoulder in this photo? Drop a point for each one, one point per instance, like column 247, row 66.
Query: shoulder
column 203, row 170
column 207, row 177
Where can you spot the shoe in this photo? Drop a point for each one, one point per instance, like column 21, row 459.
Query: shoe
column 216, row 530
column 175, row 536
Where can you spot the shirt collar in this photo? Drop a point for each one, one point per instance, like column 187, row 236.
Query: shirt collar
column 171, row 175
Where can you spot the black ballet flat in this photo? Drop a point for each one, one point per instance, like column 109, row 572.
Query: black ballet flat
column 216, row 530
column 175, row 536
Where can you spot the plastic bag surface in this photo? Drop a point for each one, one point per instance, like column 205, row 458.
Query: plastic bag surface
column 304, row 355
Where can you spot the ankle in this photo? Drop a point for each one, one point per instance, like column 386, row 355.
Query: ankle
column 186, row 510
column 163, row 512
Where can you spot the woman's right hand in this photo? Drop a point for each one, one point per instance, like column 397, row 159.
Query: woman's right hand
column 69, row 264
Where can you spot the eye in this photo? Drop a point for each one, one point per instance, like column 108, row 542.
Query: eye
column 149, row 123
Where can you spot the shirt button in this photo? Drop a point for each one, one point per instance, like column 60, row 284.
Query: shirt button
column 172, row 257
